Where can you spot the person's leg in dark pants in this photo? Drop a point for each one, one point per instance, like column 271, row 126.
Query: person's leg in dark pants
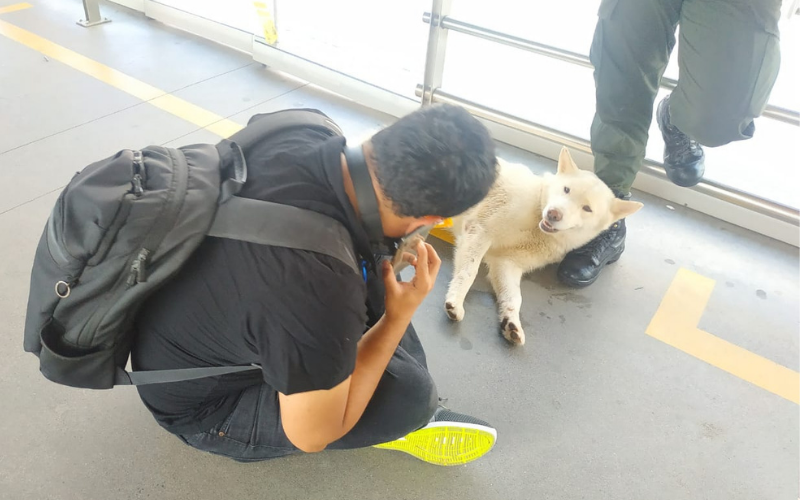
column 630, row 51
column 404, row 401
column 729, row 59
column 413, row 346
column 406, row 406
column 632, row 44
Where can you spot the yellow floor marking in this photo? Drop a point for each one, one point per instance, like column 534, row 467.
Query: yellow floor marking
column 443, row 234
column 15, row 7
column 197, row 115
column 675, row 323
column 137, row 88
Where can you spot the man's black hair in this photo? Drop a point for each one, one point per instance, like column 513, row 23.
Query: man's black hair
column 439, row 160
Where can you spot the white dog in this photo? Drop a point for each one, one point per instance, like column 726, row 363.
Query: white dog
column 525, row 223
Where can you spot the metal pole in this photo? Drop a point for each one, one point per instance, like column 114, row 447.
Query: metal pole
column 710, row 188
column 437, row 47
column 771, row 111
column 92, row 12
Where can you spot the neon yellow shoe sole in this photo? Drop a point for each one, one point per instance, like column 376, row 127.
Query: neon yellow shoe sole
column 446, row 443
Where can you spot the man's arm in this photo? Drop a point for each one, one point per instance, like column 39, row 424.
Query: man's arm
column 312, row 420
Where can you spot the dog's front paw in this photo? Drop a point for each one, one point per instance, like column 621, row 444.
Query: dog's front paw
column 454, row 311
column 512, row 331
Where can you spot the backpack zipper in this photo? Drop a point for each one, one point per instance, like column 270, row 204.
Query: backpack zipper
column 138, row 273
column 139, row 174
column 138, row 269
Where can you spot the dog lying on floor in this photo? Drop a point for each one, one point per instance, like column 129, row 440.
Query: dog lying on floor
column 525, row 223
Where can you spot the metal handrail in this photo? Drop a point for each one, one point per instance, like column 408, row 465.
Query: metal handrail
column 708, row 187
column 771, row 111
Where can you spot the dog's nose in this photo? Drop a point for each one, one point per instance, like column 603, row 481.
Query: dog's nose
column 553, row 215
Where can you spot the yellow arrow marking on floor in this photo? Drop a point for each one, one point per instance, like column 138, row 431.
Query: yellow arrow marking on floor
column 675, row 323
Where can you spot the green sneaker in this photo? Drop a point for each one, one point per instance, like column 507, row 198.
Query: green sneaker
column 449, row 439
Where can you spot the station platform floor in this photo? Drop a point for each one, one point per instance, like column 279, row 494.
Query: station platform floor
column 675, row 376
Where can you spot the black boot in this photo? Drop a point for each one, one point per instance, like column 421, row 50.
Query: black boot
column 581, row 267
column 684, row 159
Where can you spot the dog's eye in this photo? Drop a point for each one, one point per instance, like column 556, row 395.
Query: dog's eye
column 587, row 208
column 566, row 189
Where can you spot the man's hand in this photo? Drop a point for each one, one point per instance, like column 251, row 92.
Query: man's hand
column 403, row 298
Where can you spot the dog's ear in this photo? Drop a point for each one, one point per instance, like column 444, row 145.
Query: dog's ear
column 565, row 163
column 623, row 208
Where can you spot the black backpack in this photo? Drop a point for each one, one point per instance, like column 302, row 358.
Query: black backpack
column 125, row 225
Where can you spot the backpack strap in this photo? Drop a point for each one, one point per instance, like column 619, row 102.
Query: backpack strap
column 122, row 377
column 267, row 223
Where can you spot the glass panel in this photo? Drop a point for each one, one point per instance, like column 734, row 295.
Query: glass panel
column 568, row 25
column 381, row 42
column 239, row 14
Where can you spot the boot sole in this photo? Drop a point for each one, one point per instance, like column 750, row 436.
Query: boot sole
column 677, row 180
column 584, row 283
column 446, row 443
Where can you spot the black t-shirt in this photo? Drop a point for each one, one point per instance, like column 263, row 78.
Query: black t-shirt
column 298, row 314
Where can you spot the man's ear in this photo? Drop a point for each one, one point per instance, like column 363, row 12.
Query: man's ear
column 418, row 222
column 623, row 208
column 411, row 224
column 432, row 220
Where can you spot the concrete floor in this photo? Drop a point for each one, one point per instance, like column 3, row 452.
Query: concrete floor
column 591, row 407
